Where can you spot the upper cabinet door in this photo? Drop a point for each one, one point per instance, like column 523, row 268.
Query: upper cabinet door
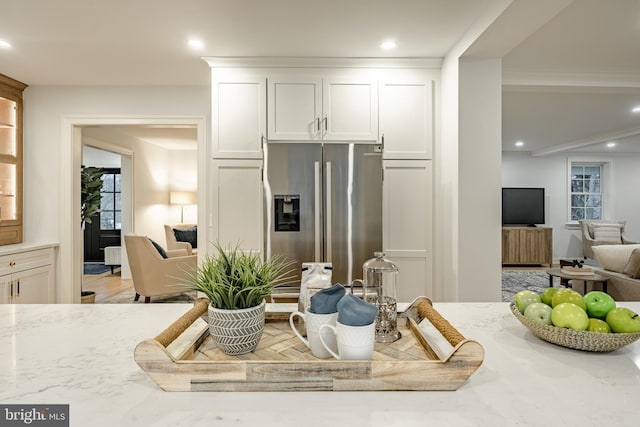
column 406, row 118
column 295, row 108
column 239, row 116
column 350, row 109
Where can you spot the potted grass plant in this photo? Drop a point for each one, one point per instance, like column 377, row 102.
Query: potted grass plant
column 90, row 187
column 237, row 284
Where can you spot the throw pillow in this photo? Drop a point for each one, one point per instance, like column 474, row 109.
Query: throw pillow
column 613, row 257
column 591, row 225
column 607, row 233
column 632, row 269
column 159, row 248
column 189, row 235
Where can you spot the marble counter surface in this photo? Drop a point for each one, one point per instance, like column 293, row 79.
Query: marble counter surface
column 82, row 355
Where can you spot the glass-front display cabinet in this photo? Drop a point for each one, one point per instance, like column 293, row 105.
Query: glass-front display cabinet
column 10, row 160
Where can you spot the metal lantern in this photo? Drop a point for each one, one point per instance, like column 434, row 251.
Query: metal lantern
column 380, row 288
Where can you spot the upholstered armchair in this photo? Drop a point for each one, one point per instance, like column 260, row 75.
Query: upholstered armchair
column 601, row 232
column 174, row 243
column 154, row 275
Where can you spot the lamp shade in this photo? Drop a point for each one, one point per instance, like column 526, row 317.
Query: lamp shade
column 182, row 197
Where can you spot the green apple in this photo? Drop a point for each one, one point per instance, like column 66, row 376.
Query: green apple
column 598, row 304
column 569, row 315
column 623, row 320
column 597, row 325
column 547, row 295
column 524, row 298
column 568, row 295
column 538, row 312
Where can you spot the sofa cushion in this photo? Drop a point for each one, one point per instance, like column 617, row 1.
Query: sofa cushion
column 613, row 257
column 159, row 248
column 189, row 235
column 632, row 268
column 607, row 233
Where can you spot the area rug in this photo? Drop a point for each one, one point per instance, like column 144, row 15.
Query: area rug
column 95, row 268
column 514, row 281
column 127, row 296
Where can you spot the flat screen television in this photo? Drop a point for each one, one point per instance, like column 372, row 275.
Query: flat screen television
column 522, row 206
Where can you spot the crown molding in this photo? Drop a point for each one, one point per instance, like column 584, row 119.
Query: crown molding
column 532, row 78
column 596, row 139
column 319, row 62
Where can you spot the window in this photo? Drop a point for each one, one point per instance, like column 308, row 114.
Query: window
column 110, row 201
column 586, row 193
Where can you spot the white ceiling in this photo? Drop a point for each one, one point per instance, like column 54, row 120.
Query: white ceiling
column 595, row 43
column 143, row 42
column 168, row 137
column 120, row 42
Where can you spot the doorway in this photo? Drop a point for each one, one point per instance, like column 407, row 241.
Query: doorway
column 70, row 256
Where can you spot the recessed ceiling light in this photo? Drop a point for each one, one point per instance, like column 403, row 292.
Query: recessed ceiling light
column 636, row 109
column 388, row 44
column 195, row 44
column 611, row 144
column 5, row 44
column 519, row 143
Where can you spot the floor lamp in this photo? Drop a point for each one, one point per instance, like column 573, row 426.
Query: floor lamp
column 182, row 198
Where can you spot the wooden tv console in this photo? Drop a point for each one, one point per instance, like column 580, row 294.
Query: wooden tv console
column 527, row 245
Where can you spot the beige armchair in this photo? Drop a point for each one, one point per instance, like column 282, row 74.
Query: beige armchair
column 172, row 243
column 590, row 234
column 154, row 275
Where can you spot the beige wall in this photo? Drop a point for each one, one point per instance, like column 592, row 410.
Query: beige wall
column 46, row 170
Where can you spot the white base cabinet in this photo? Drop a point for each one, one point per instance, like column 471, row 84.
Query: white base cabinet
column 27, row 276
column 237, row 203
column 407, row 230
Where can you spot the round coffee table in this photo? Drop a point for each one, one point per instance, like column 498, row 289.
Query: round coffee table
column 585, row 278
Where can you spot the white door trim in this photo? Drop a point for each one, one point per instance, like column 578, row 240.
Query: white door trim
column 69, row 271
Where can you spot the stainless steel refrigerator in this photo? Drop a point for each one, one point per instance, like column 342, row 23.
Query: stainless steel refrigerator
column 323, row 203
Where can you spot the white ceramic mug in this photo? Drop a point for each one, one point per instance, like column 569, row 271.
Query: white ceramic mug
column 354, row 342
column 313, row 322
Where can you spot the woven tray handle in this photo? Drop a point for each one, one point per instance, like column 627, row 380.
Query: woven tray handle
column 451, row 334
column 167, row 336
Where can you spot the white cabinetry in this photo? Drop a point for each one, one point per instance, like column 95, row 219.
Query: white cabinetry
column 295, row 108
column 407, row 219
column 308, row 107
column 407, row 117
column 328, row 101
column 238, row 111
column 28, row 276
column 237, row 202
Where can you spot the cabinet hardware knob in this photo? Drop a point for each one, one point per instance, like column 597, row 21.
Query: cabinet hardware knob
column 12, row 264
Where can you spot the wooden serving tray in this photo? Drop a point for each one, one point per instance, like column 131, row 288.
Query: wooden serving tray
column 184, row 358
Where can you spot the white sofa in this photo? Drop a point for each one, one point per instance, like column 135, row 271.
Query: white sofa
column 613, row 260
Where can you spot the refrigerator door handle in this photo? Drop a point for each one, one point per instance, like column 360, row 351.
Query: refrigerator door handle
column 328, row 212
column 316, row 185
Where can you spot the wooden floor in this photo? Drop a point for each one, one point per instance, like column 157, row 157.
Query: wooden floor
column 105, row 285
column 529, row 267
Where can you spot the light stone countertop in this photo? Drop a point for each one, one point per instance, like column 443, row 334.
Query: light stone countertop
column 82, row 355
